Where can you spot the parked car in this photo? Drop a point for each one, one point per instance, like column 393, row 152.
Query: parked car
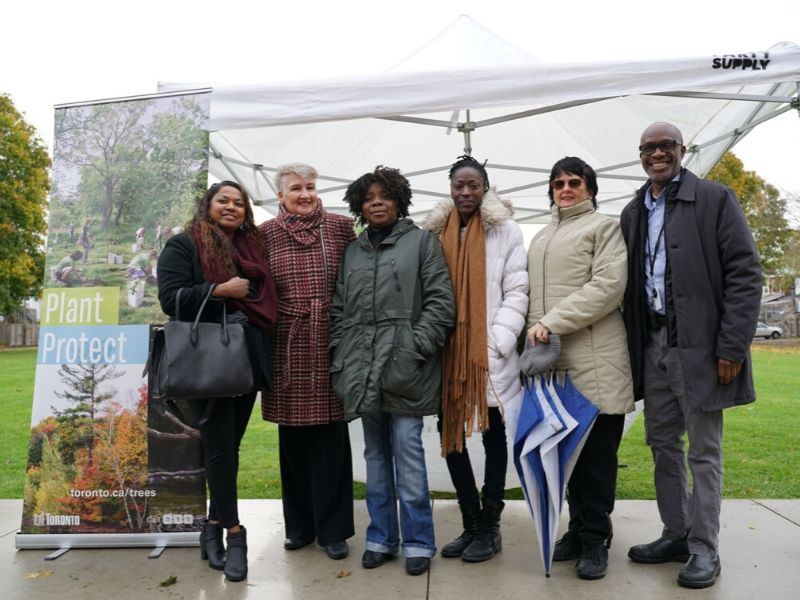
column 768, row 331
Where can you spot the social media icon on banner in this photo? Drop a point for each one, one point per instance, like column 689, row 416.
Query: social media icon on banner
column 176, row 519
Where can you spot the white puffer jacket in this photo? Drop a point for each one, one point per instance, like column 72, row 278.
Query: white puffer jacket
column 506, row 291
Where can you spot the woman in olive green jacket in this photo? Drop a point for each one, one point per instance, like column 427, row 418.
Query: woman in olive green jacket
column 391, row 312
column 392, row 309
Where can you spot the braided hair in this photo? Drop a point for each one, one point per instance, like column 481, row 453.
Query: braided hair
column 394, row 185
column 468, row 161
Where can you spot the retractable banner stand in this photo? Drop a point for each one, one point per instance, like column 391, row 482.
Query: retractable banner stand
column 107, row 467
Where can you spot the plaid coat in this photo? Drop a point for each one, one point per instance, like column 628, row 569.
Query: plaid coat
column 304, row 257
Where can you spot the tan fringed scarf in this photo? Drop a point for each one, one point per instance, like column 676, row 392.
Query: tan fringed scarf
column 466, row 363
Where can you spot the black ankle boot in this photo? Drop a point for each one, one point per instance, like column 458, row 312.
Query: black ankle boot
column 471, row 519
column 236, row 559
column 211, row 548
column 489, row 541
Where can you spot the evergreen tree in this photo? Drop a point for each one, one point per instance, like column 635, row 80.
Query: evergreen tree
column 81, row 390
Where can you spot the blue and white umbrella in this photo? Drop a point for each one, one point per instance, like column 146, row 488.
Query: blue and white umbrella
column 552, row 426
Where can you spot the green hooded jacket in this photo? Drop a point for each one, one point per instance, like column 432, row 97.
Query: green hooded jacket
column 391, row 313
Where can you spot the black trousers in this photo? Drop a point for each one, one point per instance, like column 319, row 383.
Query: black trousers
column 221, row 436
column 494, row 477
column 317, row 482
column 593, row 483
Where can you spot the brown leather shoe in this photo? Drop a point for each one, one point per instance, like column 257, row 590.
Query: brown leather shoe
column 660, row 551
column 700, row 572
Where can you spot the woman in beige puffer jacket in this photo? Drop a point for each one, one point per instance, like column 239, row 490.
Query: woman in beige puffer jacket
column 578, row 271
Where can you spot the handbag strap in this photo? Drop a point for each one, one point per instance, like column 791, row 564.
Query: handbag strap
column 202, row 306
column 224, row 335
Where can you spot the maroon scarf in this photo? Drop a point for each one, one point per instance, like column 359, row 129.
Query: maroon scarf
column 303, row 229
column 250, row 263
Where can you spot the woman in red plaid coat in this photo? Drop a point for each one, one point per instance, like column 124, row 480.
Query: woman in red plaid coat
column 305, row 245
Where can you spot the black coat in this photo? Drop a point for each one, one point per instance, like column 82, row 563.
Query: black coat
column 179, row 268
column 713, row 289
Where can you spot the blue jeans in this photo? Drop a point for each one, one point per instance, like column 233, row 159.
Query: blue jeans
column 396, row 469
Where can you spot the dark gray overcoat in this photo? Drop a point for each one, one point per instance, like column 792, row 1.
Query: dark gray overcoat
column 713, row 286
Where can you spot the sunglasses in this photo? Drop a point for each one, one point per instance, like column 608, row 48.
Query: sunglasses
column 573, row 184
column 663, row 145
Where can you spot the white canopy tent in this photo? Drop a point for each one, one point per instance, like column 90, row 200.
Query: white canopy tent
column 469, row 91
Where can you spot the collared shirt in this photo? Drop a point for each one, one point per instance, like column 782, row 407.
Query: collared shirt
column 655, row 268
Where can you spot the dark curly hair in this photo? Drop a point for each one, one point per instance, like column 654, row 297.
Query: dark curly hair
column 467, row 161
column 572, row 165
column 393, row 184
column 215, row 244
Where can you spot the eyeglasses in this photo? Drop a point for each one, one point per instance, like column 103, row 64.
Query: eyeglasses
column 573, row 184
column 663, row 145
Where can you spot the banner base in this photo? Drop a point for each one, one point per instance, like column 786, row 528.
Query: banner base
column 66, row 541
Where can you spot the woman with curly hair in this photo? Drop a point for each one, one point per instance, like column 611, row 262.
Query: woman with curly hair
column 222, row 250
column 391, row 311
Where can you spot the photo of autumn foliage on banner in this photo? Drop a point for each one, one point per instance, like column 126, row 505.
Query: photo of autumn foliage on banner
column 88, row 458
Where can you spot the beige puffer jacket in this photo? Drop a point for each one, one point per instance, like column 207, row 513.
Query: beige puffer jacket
column 578, row 271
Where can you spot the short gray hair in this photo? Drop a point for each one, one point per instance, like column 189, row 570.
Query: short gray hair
column 302, row 170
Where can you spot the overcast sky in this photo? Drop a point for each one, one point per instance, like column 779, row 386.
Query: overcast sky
column 59, row 52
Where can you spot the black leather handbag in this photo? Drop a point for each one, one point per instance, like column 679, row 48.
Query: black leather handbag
column 198, row 360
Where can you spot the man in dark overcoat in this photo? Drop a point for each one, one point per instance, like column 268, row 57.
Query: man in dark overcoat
column 691, row 307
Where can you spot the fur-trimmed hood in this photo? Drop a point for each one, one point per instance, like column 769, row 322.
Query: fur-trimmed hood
column 494, row 212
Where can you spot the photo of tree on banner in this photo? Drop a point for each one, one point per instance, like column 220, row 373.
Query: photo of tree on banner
column 126, row 176
column 87, row 459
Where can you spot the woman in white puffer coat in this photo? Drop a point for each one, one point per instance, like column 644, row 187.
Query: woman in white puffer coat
column 481, row 388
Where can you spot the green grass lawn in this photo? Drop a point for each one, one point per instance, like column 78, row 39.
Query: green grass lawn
column 16, row 392
column 761, row 440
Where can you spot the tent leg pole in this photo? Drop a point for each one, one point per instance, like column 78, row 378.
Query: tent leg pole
column 466, row 128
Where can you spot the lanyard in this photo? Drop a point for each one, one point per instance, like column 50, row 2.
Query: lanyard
column 652, row 257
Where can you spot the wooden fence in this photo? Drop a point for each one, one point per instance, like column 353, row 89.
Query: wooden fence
column 19, row 334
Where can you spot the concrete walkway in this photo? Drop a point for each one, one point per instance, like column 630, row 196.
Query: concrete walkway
column 760, row 550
